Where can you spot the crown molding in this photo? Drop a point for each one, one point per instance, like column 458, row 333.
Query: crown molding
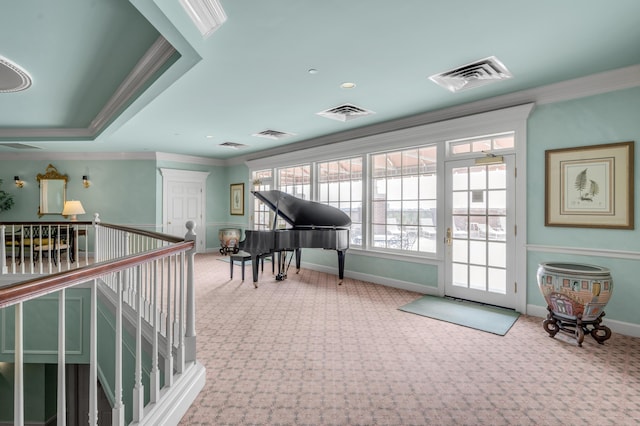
column 151, row 62
column 109, row 156
column 191, row 159
column 595, row 84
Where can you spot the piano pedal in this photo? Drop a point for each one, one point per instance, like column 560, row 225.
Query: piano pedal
column 281, row 277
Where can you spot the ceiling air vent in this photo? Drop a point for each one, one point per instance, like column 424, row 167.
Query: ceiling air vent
column 472, row 75
column 273, row 134
column 233, row 145
column 345, row 112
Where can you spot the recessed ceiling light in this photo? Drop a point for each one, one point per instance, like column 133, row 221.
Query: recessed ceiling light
column 313, row 71
column 348, row 85
column 209, row 136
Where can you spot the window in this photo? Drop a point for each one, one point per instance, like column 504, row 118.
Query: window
column 403, row 199
column 402, row 208
column 340, row 186
column 296, row 181
column 486, row 144
column 262, row 215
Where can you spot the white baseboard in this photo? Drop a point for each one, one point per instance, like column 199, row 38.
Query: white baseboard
column 389, row 282
column 177, row 399
column 620, row 327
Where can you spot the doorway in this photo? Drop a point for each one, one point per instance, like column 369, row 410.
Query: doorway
column 184, row 199
column 479, row 241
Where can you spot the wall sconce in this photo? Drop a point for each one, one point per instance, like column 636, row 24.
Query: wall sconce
column 85, row 181
column 19, row 183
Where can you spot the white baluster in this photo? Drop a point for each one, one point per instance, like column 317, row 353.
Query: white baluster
column 190, row 333
column 117, row 418
column 168, row 363
column 62, row 405
column 180, row 296
column 3, row 249
column 93, row 356
column 138, row 388
column 18, row 379
column 154, row 392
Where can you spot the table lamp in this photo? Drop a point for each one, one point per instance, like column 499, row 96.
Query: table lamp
column 72, row 208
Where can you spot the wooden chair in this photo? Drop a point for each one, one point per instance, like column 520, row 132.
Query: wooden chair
column 35, row 240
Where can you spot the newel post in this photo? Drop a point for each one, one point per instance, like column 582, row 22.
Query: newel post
column 97, row 237
column 190, row 335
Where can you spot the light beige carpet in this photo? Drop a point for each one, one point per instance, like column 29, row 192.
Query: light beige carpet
column 306, row 351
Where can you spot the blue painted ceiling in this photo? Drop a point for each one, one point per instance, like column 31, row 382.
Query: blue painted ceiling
column 253, row 74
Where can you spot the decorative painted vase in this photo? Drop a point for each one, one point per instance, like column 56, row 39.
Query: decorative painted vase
column 229, row 239
column 574, row 290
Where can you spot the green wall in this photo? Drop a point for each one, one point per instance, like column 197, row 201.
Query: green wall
column 137, row 184
column 602, row 119
column 40, row 390
column 40, row 322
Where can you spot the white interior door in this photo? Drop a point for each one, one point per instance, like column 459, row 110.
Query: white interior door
column 480, row 211
column 183, row 200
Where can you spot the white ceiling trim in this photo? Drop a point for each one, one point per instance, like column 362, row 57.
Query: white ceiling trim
column 153, row 59
column 496, row 121
column 107, row 156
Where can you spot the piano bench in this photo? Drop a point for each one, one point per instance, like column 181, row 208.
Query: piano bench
column 242, row 257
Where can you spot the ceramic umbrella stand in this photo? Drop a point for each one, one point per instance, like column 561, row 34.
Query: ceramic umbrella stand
column 576, row 295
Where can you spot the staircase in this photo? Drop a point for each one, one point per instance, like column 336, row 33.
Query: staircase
column 137, row 313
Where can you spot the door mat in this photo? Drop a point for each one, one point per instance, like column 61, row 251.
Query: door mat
column 487, row 318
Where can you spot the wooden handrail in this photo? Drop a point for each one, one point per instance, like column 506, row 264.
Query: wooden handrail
column 31, row 289
column 152, row 234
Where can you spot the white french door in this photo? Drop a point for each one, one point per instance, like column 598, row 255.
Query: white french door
column 480, row 239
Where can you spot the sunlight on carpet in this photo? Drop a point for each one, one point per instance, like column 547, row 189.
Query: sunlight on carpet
column 469, row 314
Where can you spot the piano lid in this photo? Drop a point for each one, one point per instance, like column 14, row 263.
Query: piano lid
column 301, row 213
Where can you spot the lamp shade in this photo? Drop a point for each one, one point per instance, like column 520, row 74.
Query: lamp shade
column 72, row 208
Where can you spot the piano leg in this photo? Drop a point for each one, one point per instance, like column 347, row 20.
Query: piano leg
column 341, row 256
column 298, row 259
column 254, row 267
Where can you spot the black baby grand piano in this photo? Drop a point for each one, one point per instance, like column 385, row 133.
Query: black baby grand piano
column 313, row 225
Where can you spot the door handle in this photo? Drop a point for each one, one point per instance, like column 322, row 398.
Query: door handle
column 448, row 239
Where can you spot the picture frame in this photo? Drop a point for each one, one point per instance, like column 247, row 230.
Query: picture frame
column 237, row 199
column 590, row 186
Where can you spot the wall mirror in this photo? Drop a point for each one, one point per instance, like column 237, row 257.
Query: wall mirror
column 53, row 188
